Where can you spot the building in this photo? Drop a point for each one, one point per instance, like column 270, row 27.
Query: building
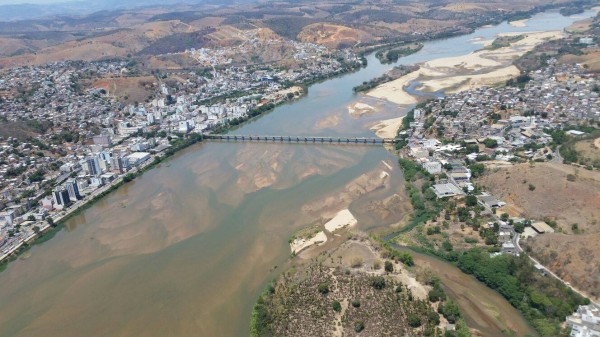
column 446, row 190
column 433, row 167
column 585, row 322
column 135, row 159
column 61, row 196
column 542, row 227
column 117, row 164
column 490, row 201
column 71, row 186
column 184, row 126
column 103, row 140
column 509, row 248
column 92, row 166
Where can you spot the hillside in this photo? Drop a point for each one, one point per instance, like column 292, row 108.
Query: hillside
column 572, row 257
column 333, row 36
column 567, row 201
column 153, row 31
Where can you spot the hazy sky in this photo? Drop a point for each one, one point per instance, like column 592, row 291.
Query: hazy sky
column 11, row 2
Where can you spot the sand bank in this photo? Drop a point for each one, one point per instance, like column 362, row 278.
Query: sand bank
column 299, row 244
column 342, row 219
column 394, row 91
column 358, row 109
column 387, row 128
column 519, row 23
column 453, row 74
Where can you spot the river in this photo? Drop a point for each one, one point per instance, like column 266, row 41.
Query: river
column 185, row 249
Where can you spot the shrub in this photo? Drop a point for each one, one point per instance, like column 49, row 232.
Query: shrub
column 414, row 320
column 359, row 326
column 433, row 317
column 377, row 265
column 531, row 187
column 571, row 177
column 324, row 288
column 356, row 262
column 389, row 266
column 337, row 307
column 436, row 294
column 378, row 282
column 356, row 303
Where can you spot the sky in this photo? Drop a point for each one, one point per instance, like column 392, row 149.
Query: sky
column 12, row 2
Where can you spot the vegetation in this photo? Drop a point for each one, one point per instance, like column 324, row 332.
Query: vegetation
column 392, row 55
column 395, row 73
column 292, row 307
column 543, row 301
column 504, row 41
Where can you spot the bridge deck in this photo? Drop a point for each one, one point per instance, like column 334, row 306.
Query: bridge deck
column 301, row 139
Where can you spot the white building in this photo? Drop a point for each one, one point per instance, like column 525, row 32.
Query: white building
column 135, row 159
column 585, row 322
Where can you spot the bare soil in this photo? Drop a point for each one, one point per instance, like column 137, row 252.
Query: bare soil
column 554, row 196
column 572, row 257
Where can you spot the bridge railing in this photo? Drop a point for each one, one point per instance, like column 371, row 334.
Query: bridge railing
column 300, row 139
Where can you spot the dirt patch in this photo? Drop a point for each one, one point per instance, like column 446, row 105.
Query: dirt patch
column 591, row 58
column 127, row 89
column 332, row 35
column 553, row 195
column 572, row 257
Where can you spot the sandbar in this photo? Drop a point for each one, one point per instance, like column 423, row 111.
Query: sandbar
column 358, row 109
column 342, row 219
column 299, row 244
column 387, row 128
column 519, row 23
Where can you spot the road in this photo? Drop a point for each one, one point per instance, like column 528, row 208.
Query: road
column 515, row 240
column 548, row 271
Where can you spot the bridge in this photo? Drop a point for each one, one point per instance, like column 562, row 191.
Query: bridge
column 300, row 139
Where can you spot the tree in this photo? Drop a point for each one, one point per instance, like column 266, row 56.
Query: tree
column 450, row 311
column 477, row 169
column 50, row 222
column 471, row 200
column 519, row 227
column 128, row 177
column 359, row 326
column 388, row 266
column 504, row 217
column 490, row 143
